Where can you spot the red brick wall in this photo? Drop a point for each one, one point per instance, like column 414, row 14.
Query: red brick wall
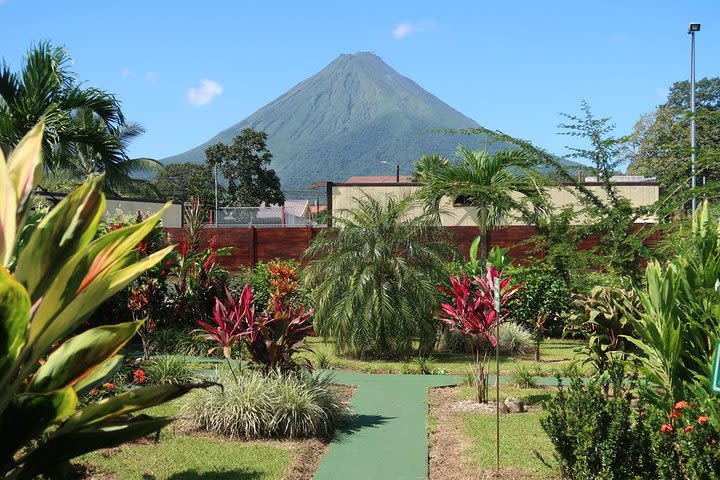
column 251, row 244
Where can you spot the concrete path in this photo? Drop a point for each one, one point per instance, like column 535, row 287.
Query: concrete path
column 388, row 439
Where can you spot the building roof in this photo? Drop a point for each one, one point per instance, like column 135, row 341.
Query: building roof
column 299, row 208
column 377, row 179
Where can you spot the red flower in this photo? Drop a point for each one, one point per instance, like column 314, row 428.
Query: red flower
column 108, row 386
column 680, row 405
column 675, row 414
column 139, row 376
column 702, row 420
column 713, row 442
column 94, row 392
column 641, row 413
column 666, row 428
column 184, row 249
column 689, row 429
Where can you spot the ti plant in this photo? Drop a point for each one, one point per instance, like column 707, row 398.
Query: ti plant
column 603, row 316
column 475, row 312
column 59, row 277
column 272, row 337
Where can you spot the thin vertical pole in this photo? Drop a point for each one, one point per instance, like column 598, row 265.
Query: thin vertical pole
column 397, row 173
column 496, row 295
column 692, row 117
column 216, row 196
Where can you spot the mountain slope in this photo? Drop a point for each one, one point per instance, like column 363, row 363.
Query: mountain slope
column 345, row 119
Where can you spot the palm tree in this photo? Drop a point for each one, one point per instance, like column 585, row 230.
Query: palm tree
column 119, row 169
column 373, row 277
column 496, row 184
column 427, row 166
column 78, row 119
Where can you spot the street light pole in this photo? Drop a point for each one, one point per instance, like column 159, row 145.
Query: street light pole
column 694, row 27
column 216, row 197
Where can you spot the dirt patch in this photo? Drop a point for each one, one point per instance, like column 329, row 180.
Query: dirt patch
column 448, row 459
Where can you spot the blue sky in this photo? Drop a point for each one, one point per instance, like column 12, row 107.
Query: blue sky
column 186, row 70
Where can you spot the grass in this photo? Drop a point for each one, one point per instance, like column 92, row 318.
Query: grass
column 554, row 354
column 530, row 396
column 521, row 436
column 184, row 457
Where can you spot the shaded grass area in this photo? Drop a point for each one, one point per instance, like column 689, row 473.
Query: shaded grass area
column 521, row 436
column 554, row 355
column 186, row 457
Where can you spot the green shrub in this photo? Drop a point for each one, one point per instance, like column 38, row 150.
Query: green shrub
column 322, row 360
column 524, row 377
column 600, row 437
column 544, row 291
column 264, row 405
column 373, row 278
column 595, row 437
column 425, row 364
column 168, row 370
column 514, row 340
column 177, row 341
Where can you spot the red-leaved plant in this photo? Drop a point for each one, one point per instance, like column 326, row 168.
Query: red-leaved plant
column 475, row 311
column 272, row 338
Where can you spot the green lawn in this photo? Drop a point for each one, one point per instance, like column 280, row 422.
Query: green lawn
column 554, row 354
column 184, row 457
column 531, row 396
column 521, row 436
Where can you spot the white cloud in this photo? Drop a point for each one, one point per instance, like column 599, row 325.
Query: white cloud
column 662, row 92
column 204, row 93
column 125, row 72
column 151, row 77
column 404, row 29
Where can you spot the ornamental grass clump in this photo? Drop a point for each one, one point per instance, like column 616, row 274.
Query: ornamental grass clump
column 168, row 370
column 268, row 405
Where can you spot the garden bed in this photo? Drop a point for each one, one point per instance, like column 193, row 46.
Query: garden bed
column 185, row 454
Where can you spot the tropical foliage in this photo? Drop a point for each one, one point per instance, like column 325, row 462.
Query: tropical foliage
column 272, row 337
column 85, row 130
column 678, row 325
column 60, row 276
column 269, row 405
column 496, row 184
column 372, row 278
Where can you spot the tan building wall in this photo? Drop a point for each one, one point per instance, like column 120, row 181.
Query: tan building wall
column 344, row 197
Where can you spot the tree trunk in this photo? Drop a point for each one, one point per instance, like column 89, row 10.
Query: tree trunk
column 484, row 241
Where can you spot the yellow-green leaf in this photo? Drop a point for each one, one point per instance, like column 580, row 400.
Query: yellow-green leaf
column 53, row 321
column 8, row 215
column 25, row 166
column 125, row 403
column 81, row 355
column 15, row 314
column 64, row 231
column 98, row 375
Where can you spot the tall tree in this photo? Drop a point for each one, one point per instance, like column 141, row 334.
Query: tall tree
column 659, row 145
column 79, row 121
column 244, row 166
column 181, row 181
column 494, row 183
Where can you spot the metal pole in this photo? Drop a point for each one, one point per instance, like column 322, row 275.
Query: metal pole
column 692, row 117
column 496, row 302
column 216, row 197
column 397, row 173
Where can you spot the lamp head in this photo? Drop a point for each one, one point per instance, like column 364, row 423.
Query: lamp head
column 694, row 27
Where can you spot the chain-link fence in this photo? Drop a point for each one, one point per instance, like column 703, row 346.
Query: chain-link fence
column 265, row 216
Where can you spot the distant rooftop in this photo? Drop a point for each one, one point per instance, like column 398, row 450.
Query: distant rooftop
column 377, row 179
column 624, row 178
